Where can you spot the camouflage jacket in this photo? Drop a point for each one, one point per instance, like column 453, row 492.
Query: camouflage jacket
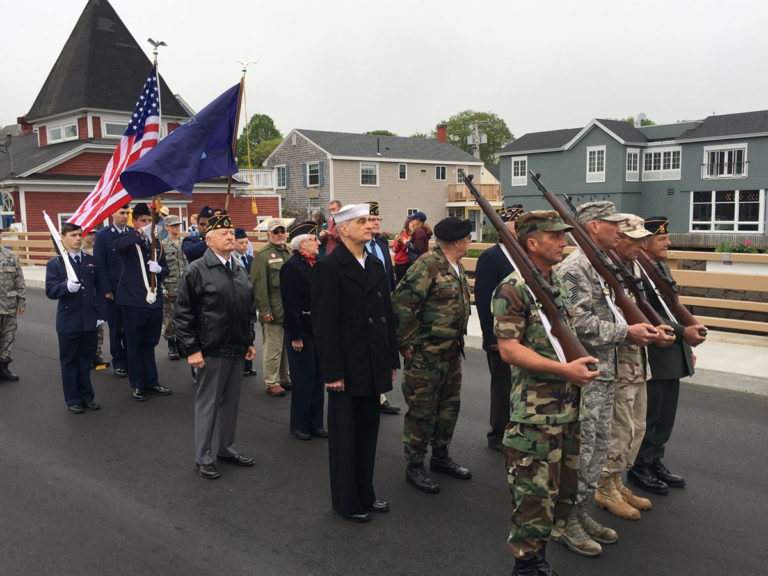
column 177, row 263
column 594, row 321
column 431, row 305
column 14, row 293
column 535, row 397
column 265, row 277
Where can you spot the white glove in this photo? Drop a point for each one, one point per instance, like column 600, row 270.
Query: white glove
column 73, row 286
column 99, row 323
column 154, row 267
column 147, row 230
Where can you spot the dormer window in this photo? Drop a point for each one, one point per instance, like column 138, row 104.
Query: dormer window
column 62, row 132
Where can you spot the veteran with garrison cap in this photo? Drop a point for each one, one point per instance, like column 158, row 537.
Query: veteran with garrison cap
column 601, row 328
column 213, row 310
column 431, row 305
column 541, row 442
column 265, row 278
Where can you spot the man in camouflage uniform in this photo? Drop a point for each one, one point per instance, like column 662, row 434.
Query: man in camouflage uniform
column 265, row 277
column 177, row 264
column 628, row 423
column 12, row 303
column 541, row 440
column 601, row 328
column 431, row 306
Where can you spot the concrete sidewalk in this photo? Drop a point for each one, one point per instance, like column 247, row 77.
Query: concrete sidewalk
column 726, row 360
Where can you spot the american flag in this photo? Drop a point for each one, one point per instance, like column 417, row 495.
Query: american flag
column 141, row 135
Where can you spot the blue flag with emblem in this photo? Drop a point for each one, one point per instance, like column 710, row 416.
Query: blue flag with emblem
column 198, row 150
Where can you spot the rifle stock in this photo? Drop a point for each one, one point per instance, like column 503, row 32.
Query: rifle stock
column 547, row 297
column 600, row 261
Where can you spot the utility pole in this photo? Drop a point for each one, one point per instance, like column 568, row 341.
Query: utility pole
column 476, row 138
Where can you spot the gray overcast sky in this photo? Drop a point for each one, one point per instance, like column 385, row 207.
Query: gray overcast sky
column 404, row 66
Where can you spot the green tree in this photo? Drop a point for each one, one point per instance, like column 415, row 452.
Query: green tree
column 421, row 135
column 264, row 149
column 643, row 122
column 459, row 127
column 381, row 133
column 260, row 128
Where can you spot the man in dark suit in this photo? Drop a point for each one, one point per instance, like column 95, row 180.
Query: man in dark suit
column 142, row 309
column 668, row 365
column 241, row 255
column 79, row 313
column 379, row 247
column 111, row 265
column 355, row 335
column 493, row 266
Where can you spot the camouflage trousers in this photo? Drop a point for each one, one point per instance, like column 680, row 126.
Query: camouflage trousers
column 542, row 474
column 596, row 415
column 7, row 336
column 432, row 391
column 169, row 305
column 627, row 426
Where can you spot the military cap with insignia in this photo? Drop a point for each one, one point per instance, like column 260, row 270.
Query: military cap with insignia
column 511, row 213
column 452, row 228
column 545, row 220
column 303, row 228
column 240, row 233
column 374, row 208
column 657, row 225
column 141, row 209
column 602, row 210
column 219, row 222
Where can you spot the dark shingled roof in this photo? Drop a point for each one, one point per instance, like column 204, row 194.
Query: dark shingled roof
column 667, row 131
column 367, row 146
column 623, row 130
column 730, row 125
column 541, row 141
column 101, row 66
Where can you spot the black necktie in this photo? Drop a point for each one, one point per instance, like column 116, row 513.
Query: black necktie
column 226, row 265
column 77, row 259
column 244, row 260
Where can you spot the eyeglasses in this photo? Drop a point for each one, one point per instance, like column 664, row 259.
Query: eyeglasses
column 278, row 231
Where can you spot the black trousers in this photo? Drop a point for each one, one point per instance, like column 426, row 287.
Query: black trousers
column 116, row 334
column 659, row 420
column 353, row 431
column 142, row 334
column 308, row 392
column 501, row 383
column 76, row 353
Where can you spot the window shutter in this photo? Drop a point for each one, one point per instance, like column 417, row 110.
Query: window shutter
column 304, row 175
column 287, row 179
column 320, row 174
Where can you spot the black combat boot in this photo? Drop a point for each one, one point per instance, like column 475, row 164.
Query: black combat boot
column 526, row 566
column 441, row 462
column 416, row 475
column 541, row 562
column 663, row 474
column 6, row 374
column 645, row 478
column 173, row 350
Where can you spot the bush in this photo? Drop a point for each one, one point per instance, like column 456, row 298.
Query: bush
column 744, row 247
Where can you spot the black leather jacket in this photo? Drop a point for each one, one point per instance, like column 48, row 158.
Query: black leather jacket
column 213, row 309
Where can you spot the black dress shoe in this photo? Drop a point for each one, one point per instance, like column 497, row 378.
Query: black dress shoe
column 252, row 372
column 647, row 480
column 526, row 567
column 208, row 471
column 387, row 408
column 76, row 409
column 298, row 434
column 93, row 405
column 160, row 390
column 362, row 517
column 319, row 432
column 99, row 361
column 417, row 475
column 663, row 474
column 379, row 506
column 442, row 463
column 239, row 460
column 495, row 443
column 138, row 395
column 121, row 373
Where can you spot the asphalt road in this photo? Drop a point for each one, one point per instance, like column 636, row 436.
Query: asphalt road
column 116, row 492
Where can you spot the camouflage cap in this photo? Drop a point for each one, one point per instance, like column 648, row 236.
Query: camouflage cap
column 633, row 227
column 546, row 220
column 602, row 210
column 172, row 220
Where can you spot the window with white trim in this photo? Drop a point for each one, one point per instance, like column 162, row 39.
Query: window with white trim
column 662, row 164
column 280, row 174
column 596, row 164
column 727, row 210
column 113, row 130
column 313, row 174
column 411, row 211
column 725, row 161
column 369, row 174
column 62, row 132
column 520, row 171
column 633, row 164
column 402, row 171
column 441, row 173
column 461, row 174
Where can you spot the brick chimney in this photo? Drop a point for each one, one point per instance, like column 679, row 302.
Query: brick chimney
column 442, row 135
column 24, row 126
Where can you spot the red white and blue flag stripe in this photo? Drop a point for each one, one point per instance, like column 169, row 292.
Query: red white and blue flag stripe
column 141, row 135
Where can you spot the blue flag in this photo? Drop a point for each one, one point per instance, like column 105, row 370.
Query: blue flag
column 196, row 151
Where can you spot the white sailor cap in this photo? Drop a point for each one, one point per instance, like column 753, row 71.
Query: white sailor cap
column 350, row 212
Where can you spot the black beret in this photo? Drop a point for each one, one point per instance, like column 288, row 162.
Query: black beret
column 206, row 212
column 308, row 227
column 240, row 233
column 657, row 225
column 452, row 228
column 141, row 209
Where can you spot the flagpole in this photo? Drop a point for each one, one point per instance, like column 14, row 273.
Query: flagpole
column 234, row 138
column 152, row 278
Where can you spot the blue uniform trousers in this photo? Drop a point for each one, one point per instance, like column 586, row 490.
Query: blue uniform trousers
column 308, row 391
column 142, row 333
column 116, row 334
column 76, row 353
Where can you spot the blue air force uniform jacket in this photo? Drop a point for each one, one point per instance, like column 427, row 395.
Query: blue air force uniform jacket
column 132, row 290
column 106, row 255
column 78, row 311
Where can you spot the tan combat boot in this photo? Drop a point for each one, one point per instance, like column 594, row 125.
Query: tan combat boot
column 597, row 531
column 607, row 496
column 629, row 497
column 575, row 538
